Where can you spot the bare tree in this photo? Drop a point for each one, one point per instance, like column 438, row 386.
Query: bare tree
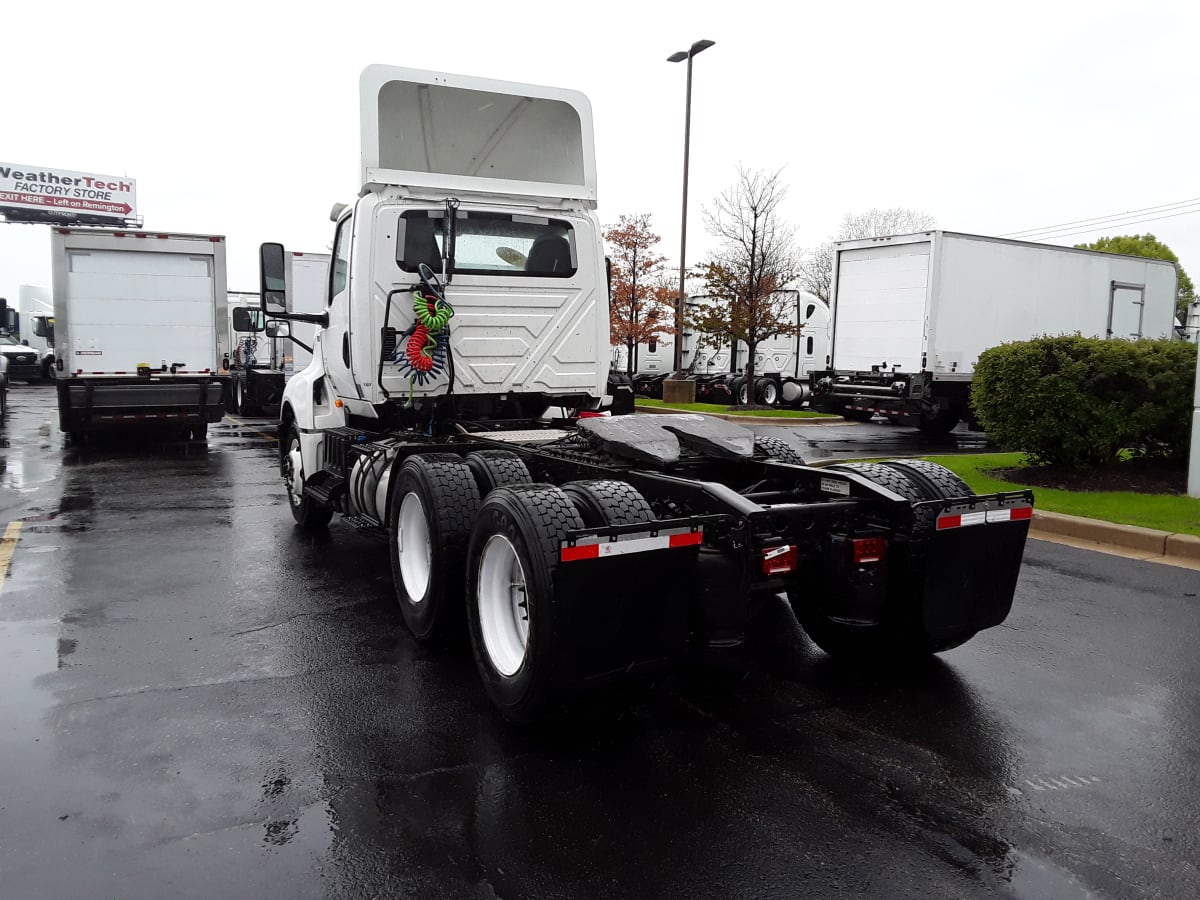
column 816, row 269
column 882, row 222
column 757, row 257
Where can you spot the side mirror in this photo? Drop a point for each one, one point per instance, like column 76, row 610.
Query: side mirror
column 247, row 320
column 272, row 283
column 278, row 328
column 608, row 275
column 39, row 326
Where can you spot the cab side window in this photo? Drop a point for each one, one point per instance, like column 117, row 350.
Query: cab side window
column 339, row 268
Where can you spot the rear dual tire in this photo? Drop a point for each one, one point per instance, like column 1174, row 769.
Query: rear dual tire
column 915, row 480
column 512, row 615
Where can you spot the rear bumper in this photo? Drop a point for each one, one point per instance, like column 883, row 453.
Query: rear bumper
column 86, row 404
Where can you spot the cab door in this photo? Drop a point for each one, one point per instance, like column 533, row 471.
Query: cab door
column 335, row 337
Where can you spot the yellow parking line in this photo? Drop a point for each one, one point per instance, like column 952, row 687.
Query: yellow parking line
column 8, row 544
column 242, row 424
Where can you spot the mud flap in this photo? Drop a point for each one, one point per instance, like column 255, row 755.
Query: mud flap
column 626, row 594
column 968, row 568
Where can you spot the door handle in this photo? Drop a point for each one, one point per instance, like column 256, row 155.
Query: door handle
column 346, row 349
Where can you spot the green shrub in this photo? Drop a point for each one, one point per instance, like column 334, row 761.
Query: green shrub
column 1080, row 401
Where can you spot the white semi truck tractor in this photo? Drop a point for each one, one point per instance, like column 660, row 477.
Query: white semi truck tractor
column 466, row 295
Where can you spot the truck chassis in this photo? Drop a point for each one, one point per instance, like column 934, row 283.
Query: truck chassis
column 593, row 552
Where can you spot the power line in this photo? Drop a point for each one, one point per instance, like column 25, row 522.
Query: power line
column 1128, row 212
column 1106, row 225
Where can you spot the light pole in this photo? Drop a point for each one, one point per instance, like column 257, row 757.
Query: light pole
column 687, row 136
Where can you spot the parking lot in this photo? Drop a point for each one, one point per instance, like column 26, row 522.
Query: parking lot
column 201, row 700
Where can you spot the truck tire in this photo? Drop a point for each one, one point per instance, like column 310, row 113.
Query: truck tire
column 430, row 519
column 307, row 512
column 767, row 391
column 241, row 398
column 857, row 415
column 601, row 503
column 946, row 483
column 739, row 391
column 915, row 480
column 941, row 423
column 199, row 432
column 512, row 615
column 496, row 468
column 776, row 449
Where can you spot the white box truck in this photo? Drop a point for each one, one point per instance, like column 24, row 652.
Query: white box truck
column 139, row 322
column 912, row 313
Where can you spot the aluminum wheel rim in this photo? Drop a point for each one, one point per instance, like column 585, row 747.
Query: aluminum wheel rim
column 413, row 547
column 503, row 605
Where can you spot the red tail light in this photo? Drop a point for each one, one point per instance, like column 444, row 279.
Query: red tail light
column 869, row 550
column 779, row 560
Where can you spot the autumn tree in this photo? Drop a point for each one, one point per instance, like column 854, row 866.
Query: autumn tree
column 756, row 257
column 1147, row 245
column 816, row 267
column 639, row 311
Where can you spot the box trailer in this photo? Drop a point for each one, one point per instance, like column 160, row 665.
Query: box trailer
column 912, row 313
column 139, row 323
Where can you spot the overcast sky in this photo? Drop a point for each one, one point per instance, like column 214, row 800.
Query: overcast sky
column 992, row 118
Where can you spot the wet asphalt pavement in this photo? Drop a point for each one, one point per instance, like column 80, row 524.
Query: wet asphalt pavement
column 199, row 700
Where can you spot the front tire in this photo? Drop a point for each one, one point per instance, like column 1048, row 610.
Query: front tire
column 512, row 616
column 430, row 517
column 307, row 512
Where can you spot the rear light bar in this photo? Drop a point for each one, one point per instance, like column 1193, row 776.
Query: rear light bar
column 779, row 560
column 868, row 550
column 984, row 516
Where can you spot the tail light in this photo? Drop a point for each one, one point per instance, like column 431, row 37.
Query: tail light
column 868, row 550
column 779, row 560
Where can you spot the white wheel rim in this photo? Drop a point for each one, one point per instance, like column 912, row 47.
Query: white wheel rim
column 295, row 484
column 412, row 544
column 503, row 605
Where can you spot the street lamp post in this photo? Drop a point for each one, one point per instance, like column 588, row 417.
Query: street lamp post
column 687, row 136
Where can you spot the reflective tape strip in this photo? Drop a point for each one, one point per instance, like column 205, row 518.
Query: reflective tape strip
column 596, row 548
column 962, row 520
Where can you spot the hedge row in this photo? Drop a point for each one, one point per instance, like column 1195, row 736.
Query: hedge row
column 1079, row 401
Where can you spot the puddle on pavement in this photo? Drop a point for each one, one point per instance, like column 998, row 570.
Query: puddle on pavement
column 1033, row 878
column 29, row 650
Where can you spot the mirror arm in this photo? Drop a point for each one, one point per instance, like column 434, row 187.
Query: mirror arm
column 296, row 340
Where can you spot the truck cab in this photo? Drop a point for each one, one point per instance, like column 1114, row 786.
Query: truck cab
column 490, row 189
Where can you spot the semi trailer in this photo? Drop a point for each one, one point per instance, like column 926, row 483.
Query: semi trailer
column 139, row 325
column 466, row 295
column 912, row 313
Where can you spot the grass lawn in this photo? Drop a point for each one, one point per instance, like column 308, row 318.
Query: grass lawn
column 1166, row 512
column 724, row 410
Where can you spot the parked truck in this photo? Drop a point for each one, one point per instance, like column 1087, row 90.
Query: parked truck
column 912, row 313
column 782, row 362
column 466, row 295
column 139, row 324
column 34, row 326
column 254, row 361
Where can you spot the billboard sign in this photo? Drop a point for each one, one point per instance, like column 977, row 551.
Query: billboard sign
column 39, row 194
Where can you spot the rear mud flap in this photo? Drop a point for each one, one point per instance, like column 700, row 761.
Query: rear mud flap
column 625, row 594
column 966, row 570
